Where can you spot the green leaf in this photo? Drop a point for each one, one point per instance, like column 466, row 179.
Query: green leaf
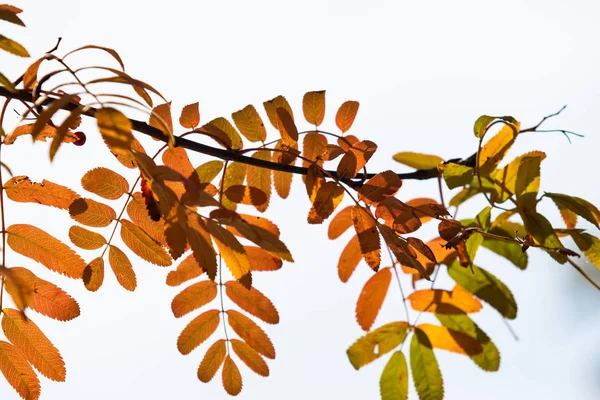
column 542, row 231
column 418, row 160
column 457, row 175
column 393, row 384
column 12, row 47
column 485, row 286
column 483, row 122
column 489, row 358
column 483, row 219
column 377, row 343
column 464, row 195
column 509, row 250
column 4, row 81
column 579, row 206
column 590, row 245
column 472, row 244
column 527, row 184
column 425, row 369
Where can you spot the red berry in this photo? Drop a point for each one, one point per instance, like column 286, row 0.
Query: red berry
column 80, row 138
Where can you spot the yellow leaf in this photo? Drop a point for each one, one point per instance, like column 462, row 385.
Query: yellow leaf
column 91, row 213
column 18, row 372
column 12, row 47
column 193, row 297
column 252, row 334
column 186, row 270
column 161, row 118
column 198, row 330
column 231, row 250
column 34, row 345
column 21, row 189
column 250, row 357
column 340, row 223
column 232, row 380
column 260, row 178
column 371, row 298
column 590, row 245
column 86, row 239
column 219, row 126
column 451, row 340
column 105, row 183
column 201, row 245
column 233, row 176
column 93, row 274
column 214, row 357
column 346, row 114
column 271, row 109
column 496, row 148
column 252, row 301
column 444, row 301
column 143, row 245
column 313, row 106
column 328, row 197
column 578, row 206
column 349, row 259
column 115, row 129
column 368, row 237
column 36, row 244
column 122, row 268
column 250, row 124
column 377, row 343
column 418, row 160
column 381, row 186
column 190, row 116
column 527, row 184
column 425, row 369
column 393, row 384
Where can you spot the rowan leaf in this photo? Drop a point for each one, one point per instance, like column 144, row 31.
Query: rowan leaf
column 286, row 126
column 9, row 13
column 483, row 122
column 143, row 245
column 251, row 333
column 198, row 330
column 250, row 124
column 122, row 268
column 313, row 106
column 262, row 260
column 214, row 357
column 368, row 236
column 233, row 176
column 349, row 259
column 579, row 206
column 444, row 301
column 344, row 118
column 201, row 245
column 383, row 185
column 161, row 118
column 509, row 250
column 36, row 244
column 86, row 239
column 590, row 245
column 18, row 372
column 456, row 175
column 542, row 231
column 136, row 209
column 186, row 270
column 71, row 122
column 91, row 213
column 33, row 344
column 314, row 145
column 219, row 126
column 105, row 183
column 377, row 343
column 190, row 116
column 340, row 223
column 450, row 340
column 418, row 160
column 425, row 369
column 12, row 47
column 22, row 190
column 115, row 129
column 193, row 297
column 252, row 301
column 260, row 178
column 399, row 216
column 47, row 298
column 371, row 298
column 527, row 183
column 496, row 148
column 328, row 197
column 250, row 357
column 271, row 107
column 426, row 209
column 232, row 380
column 393, row 384
column 93, row 274
column 231, row 250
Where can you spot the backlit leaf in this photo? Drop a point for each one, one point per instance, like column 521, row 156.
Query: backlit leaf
column 30, row 75
column 225, row 126
column 93, row 274
column 443, row 301
column 345, row 115
column 234, row 175
column 186, row 270
column 286, row 126
column 380, row 187
column 136, row 209
column 21, row 189
column 18, row 372
column 190, row 116
column 393, row 384
column 91, row 213
column 329, row 196
column 252, row 334
column 231, row 250
column 426, row 209
column 262, row 260
column 271, row 109
column 368, row 237
column 193, row 297
column 214, row 357
column 456, row 175
column 105, row 183
column 161, row 118
column 371, row 298
column 86, row 239
column 33, row 344
column 417, row 160
column 340, row 223
column 425, row 369
column 590, row 245
column 451, row 340
column 36, row 244
column 377, row 343
column 399, row 216
column 12, row 47
column 349, row 259
column 483, row 122
column 250, row 357
column 260, row 178
column 313, row 106
column 202, row 248
column 252, row 301
column 314, row 145
column 250, row 124
column 509, row 250
column 542, row 231
column 122, row 268
column 527, row 184
column 496, row 148
column 115, row 129
column 143, row 245
column 577, row 205
column 198, row 330
column 9, row 13
column 232, row 380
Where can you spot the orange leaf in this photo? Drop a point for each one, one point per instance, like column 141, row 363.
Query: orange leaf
column 451, row 340
column 422, row 248
column 262, row 260
column 177, row 159
column 250, row 357
column 397, row 215
column 219, row 126
column 201, row 245
column 193, row 297
column 86, row 239
column 371, row 298
column 314, row 145
column 252, row 301
column 256, row 338
column 368, row 237
column 260, row 178
column 115, row 129
column 36, row 244
column 313, row 106
column 91, row 213
column 380, row 187
column 328, row 197
column 18, row 372
column 286, row 126
column 271, row 109
column 340, row 223
column 250, row 124
column 349, row 259
column 314, row 180
column 127, row 159
column 47, row 298
column 234, row 175
column 190, row 116
column 346, row 114
column 21, row 189
column 122, row 268
column 93, row 274
column 198, row 330
column 186, row 270
column 231, row 250
column 444, row 302
column 232, row 380
column 143, row 245
column 161, row 118
column 105, row 183
column 34, row 345
column 214, row 357
column 136, row 209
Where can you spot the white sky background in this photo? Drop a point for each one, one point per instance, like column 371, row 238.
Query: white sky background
column 423, row 72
